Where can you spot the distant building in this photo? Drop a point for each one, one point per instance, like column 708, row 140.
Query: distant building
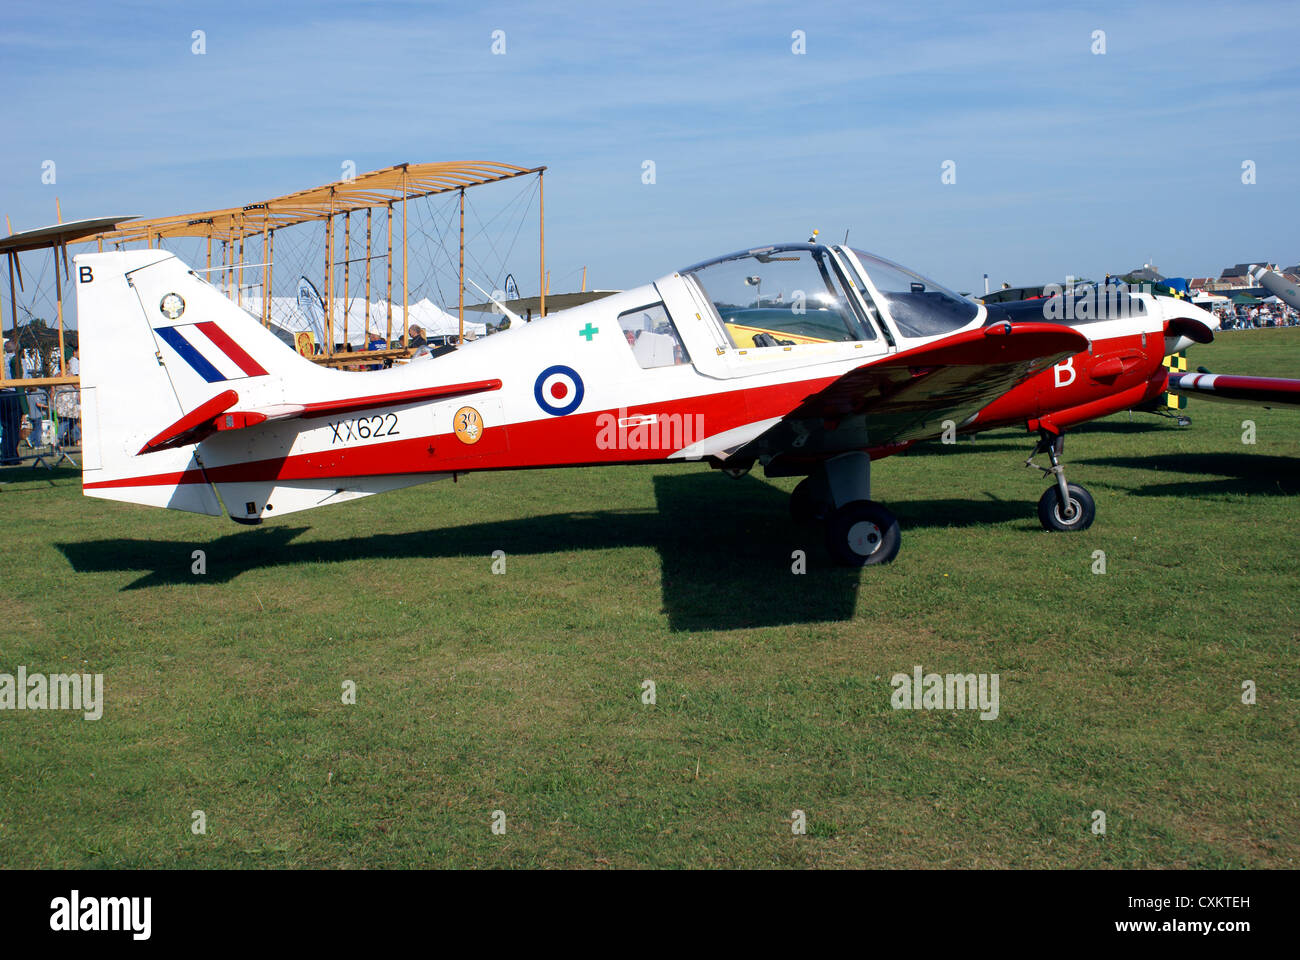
column 1240, row 272
column 1147, row 273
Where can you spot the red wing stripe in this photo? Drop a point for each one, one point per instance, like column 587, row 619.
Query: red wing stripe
column 231, row 349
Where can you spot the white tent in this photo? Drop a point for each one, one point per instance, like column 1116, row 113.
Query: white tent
column 295, row 315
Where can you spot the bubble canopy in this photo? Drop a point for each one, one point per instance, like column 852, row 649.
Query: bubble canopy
column 799, row 293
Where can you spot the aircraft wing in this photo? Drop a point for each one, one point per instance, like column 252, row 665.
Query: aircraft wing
column 1266, row 391
column 555, row 302
column 907, row 396
column 1278, row 285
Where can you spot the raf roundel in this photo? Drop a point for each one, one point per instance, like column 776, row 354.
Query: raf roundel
column 558, row 390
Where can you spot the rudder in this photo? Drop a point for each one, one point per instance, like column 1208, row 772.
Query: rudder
column 157, row 343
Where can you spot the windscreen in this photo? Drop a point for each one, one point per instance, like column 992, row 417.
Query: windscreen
column 919, row 306
column 781, row 297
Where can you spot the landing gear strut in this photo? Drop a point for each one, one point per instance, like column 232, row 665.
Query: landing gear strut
column 859, row 531
column 1063, row 507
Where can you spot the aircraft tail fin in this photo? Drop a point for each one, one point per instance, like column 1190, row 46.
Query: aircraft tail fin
column 157, row 344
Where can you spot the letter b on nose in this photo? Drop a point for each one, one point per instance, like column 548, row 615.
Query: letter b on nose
column 1065, row 373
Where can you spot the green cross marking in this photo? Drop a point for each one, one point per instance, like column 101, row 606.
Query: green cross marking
column 589, row 332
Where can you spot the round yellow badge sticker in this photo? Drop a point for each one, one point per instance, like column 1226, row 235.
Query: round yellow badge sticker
column 469, row 425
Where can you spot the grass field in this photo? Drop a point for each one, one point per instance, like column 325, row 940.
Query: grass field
column 522, row 692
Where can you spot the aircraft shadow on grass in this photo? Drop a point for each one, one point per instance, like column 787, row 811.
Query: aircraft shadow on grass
column 1023, row 441
column 936, row 448
column 725, row 550
column 1236, row 473
column 1143, row 423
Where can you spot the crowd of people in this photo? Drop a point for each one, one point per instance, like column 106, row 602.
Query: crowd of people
column 26, row 415
column 1255, row 317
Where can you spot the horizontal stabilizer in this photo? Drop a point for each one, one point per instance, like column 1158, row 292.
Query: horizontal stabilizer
column 217, row 414
column 194, row 426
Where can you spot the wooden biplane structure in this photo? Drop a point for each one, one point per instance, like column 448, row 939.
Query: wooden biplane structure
column 15, row 389
column 244, row 238
column 54, row 238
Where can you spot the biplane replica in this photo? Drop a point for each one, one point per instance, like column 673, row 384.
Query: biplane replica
column 378, row 289
column 807, row 359
column 48, row 348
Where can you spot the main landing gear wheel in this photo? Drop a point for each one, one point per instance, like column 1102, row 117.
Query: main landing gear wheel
column 1078, row 514
column 862, row 533
column 805, row 506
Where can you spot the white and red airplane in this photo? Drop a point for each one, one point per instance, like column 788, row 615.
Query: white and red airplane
column 808, row 359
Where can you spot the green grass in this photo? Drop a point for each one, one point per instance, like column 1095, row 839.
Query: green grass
column 521, row 692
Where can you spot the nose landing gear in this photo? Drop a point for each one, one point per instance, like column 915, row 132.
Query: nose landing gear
column 1063, row 507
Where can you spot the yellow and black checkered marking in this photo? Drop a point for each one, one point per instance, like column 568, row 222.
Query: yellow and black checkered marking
column 1175, row 363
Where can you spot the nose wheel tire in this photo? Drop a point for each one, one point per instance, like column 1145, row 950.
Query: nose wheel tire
column 862, row 533
column 1057, row 516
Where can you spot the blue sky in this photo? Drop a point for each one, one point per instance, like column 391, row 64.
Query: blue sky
column 1065, row 161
